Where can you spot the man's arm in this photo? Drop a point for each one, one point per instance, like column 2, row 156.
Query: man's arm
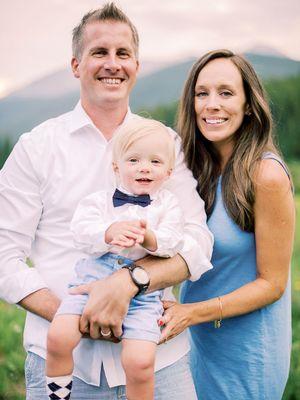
column 21, row 209
column 43, row 303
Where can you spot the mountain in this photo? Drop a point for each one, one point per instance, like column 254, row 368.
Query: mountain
column 59, row 92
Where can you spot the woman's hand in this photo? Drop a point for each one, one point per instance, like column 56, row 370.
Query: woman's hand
column 177, row 317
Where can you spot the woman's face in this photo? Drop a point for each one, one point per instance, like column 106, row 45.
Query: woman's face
column 220, row 102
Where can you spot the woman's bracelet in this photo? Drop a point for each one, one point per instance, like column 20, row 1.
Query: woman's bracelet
column 218, row 321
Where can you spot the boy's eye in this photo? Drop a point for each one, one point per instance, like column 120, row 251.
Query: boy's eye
column 133, row 160
column 155, row 161
column 123, row 54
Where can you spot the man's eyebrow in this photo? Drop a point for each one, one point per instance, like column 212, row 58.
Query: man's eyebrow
column 98, row 48
column 124, row 49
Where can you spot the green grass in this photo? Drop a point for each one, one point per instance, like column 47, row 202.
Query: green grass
column 12, row 354
column 292, row 391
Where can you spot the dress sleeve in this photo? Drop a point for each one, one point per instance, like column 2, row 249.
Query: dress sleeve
column 89, row 223
column 198, row 240
column 20, row 209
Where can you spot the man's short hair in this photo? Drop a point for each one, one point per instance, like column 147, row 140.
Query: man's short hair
column 136, row 129
column 109, row 12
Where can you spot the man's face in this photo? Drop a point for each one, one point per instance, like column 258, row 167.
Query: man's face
column 108, row 66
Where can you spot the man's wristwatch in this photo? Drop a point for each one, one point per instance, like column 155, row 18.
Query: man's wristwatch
column 139, row 277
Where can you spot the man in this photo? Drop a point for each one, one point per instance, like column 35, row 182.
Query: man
column 48, row 172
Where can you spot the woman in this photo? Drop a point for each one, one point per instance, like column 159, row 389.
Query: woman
column 226, row 129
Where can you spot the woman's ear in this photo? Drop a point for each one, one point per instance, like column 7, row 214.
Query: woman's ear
column 248, row 110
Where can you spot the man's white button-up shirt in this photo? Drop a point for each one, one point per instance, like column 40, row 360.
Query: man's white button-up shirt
column 48, row 172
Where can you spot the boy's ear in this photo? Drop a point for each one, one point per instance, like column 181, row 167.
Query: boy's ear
column 169, row 171
column 115, row 167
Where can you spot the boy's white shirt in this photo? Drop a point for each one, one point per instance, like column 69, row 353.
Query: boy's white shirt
column 95, row 213
column 49, row 171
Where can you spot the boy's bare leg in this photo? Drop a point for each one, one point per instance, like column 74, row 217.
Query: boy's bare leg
column 138, row 357
column 63, row 337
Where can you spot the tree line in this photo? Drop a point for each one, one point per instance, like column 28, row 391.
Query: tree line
column 284, row 97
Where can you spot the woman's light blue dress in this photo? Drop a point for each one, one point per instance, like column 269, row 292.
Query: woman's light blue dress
column 247, row 358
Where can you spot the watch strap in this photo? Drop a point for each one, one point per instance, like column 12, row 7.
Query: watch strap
column 142, row 287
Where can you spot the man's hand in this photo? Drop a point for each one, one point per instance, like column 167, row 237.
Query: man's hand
column 126, row 233
column 107, row 305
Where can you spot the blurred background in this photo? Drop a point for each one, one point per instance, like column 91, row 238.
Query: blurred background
column 36, row 83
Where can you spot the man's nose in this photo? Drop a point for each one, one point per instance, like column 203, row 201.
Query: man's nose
column 112, row 63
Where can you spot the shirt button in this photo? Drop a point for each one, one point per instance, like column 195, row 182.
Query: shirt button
column 120, row 261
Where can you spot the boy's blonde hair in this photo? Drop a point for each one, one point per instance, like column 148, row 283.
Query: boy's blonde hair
column 138, row 128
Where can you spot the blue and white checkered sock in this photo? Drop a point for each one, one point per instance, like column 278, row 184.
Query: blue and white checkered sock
column 59, row 387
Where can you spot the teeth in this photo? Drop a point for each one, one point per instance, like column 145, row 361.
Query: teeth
column 111, row 81
column 215, row 121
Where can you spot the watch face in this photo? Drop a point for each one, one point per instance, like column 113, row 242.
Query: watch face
column 140, row 275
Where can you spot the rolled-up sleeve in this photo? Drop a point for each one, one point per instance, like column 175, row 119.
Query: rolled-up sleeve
column 198, row 240
column 20, row 210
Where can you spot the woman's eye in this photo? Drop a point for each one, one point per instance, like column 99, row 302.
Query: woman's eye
column 201, row 94
column 226, row 94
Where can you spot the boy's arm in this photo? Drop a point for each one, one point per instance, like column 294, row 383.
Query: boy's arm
column 90, row 223
column 166, row 238
column 150, row 242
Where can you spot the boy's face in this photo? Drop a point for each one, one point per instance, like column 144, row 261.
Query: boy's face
column 145, row 165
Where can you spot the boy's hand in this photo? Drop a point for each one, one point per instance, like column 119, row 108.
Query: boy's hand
column 126, row 233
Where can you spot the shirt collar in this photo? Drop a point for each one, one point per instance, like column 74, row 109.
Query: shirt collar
column 80, row 119
column 153, row 196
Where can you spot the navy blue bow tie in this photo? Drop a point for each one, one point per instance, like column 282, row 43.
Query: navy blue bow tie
column 120, row 198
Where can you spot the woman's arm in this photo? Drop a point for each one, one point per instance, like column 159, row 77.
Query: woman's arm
column 274, row 231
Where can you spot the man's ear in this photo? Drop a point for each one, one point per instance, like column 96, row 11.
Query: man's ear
column 137, row 66
column 75, row 65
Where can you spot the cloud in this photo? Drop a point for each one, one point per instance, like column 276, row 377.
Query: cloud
column 36, row 34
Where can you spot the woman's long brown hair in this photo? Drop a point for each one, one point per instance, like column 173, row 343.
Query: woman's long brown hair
column 253, row 138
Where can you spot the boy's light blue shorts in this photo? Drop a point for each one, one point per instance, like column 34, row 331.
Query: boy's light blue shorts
column 144, row 310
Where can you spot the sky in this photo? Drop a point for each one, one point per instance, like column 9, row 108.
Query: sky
column 35, row 35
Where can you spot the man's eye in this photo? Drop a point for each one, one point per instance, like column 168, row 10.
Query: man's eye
column 99, row 53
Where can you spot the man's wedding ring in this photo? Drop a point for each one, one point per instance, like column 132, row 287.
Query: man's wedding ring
column 105, row 334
